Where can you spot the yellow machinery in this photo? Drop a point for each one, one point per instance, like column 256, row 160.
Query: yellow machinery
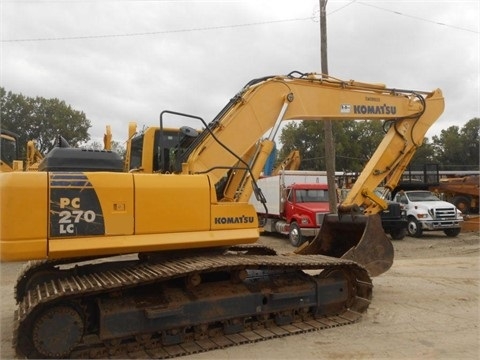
column 291, row 162
column 9, row 152
column 463, row 192
column 155, row 149
column 34, row 157
column 107, row 138
column 198, row 277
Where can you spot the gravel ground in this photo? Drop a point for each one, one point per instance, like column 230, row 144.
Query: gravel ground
column 425, row 307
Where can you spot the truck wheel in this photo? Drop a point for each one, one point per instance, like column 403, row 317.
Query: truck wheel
column 452, row 232
column 295, row 235
column 414, row 227
column 398, row 234
column 462, row 203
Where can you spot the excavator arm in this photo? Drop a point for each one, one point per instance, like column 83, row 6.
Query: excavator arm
column 291, row 162
column 256, row 112
column 259, row 108
column 34, row 157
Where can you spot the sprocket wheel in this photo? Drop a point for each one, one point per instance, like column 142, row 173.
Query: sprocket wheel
column 66, row 321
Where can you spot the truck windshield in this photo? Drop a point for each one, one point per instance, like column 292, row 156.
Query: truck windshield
column 311, row 195
column 422, row 196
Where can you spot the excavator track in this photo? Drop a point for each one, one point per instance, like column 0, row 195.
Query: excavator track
column 38, row 271
column 85, row 307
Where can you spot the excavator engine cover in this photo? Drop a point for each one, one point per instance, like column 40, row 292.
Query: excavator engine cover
column 73, row 159
column 360, row 238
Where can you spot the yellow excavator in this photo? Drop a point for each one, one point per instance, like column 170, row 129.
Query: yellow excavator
column 34, row 157
column 154, row 149
column 9, row 152
column 165, row 264
column 291, row 162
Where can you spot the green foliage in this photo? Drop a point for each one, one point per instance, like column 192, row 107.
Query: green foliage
column 471, row 137
column 117, row 147
column 425, row 154
column 355, row 142
column 458, row 147
column 41, row 120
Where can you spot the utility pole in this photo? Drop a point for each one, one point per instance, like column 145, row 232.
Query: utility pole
column 329, row 145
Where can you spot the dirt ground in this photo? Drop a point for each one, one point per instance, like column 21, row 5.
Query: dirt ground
column 425, row 307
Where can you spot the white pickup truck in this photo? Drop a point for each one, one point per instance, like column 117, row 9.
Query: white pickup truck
column 426, row 212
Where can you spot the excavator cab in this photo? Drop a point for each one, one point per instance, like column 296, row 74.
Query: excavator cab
column 9, row 151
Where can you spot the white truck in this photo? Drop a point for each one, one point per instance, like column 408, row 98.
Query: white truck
column 296, row 203
column 426, row 212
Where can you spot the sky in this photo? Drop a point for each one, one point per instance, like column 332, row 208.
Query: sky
column 128, row 60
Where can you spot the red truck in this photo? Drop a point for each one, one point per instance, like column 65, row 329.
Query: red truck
column 296, row 203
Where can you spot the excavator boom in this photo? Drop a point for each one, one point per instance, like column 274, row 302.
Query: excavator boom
column 262, row 105
column 259, row 108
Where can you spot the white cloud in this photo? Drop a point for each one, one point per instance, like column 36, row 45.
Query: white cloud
column 418, row 45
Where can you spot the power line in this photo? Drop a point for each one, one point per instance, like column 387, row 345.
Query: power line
column 341, row 8
column 99, row 1
column 418, row 18
column 210, row 28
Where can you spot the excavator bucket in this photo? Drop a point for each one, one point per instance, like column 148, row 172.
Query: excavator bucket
column 360, row 238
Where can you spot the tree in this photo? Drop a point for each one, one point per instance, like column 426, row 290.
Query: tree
column 425, row 154
column 447, row 146
column 470, row 134
column 360, row 142
column 117, row 147
column 457, row 148
column 41, row 120
column 308, row 138
column 355, row 142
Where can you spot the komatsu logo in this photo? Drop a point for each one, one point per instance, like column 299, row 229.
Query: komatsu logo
column 375, row 109
column 234, row 220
